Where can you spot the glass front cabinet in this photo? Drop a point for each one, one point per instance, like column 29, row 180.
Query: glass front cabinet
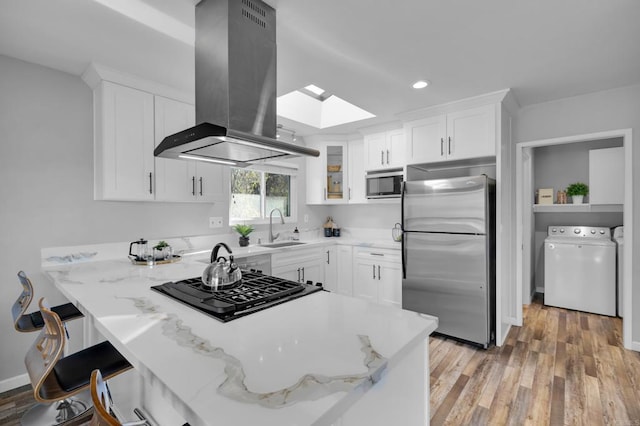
column 327, row 174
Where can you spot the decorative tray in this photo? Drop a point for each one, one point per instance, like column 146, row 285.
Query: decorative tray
column 175, row 258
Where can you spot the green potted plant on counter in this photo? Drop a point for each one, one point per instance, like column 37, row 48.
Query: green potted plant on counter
column 162, row 251
column 577, row 191
column 244, row 231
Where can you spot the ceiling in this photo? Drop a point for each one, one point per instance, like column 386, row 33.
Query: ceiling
column 367, row 52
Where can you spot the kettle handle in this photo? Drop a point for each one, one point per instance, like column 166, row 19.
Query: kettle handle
column 214, row 253
column 140, row 241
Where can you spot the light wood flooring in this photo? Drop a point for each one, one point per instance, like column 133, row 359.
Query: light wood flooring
column 561, row 368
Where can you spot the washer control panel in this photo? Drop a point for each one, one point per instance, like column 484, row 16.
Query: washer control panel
column 580, row 231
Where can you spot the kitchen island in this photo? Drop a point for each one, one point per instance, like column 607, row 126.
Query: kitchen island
column 322, row 359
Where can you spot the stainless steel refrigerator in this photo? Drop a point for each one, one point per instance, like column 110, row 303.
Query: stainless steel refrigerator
column 448, row 254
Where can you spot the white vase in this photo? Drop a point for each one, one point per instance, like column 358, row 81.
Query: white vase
column 577, row 199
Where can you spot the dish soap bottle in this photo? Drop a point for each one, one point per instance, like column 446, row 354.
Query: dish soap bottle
column 296, row 234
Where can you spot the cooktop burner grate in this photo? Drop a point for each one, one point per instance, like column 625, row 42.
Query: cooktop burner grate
column 256, row 292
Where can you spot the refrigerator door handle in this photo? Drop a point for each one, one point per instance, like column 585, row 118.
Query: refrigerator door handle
column 403, row 235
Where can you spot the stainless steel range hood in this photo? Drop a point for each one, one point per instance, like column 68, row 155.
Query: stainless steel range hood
column 235, row 65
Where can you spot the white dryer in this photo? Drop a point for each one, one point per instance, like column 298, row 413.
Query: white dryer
column 580, row 269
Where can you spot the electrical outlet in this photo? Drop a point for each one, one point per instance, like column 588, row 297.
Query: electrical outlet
column 215, row 222
column 306, row 218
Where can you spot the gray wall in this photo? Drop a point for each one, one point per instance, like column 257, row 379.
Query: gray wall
column 46, row 166
column 591, row 113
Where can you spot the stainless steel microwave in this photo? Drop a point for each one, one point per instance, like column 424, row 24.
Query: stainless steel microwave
column 385, row 184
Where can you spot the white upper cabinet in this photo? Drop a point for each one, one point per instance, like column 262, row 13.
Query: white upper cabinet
column 123, row 143
column 180, row 180
column 131, row 117
column 606, row 176
column 384, row 150
column 327, row 174
column 357, row 184
column 175, row 179
column 470, row 133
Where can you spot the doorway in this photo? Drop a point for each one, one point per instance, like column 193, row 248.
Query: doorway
column 529, row 257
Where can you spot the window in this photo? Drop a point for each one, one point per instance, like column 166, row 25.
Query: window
column 255, row 193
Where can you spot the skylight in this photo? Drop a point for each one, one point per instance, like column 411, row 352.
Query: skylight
column 315, row 107
column 314, row 89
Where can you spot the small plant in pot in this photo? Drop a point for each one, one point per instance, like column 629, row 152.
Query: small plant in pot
column 577, row 191
column 244, row 231
column 162, row 251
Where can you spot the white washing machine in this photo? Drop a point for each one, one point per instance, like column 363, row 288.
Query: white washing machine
column 580, row 269
column 618, row 238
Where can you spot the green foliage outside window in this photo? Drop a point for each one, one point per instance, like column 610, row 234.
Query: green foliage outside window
column 247, row 194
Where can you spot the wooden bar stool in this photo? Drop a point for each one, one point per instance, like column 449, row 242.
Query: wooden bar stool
column 29, row 322
column 26, row 323
column 55, row 377
column 104, row 412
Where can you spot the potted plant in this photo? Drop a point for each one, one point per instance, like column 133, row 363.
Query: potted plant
column 244, row 231
column 162, row 251
column 577, row 191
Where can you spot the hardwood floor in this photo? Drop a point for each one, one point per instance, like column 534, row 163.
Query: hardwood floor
column 561, row 367
column 14, row 403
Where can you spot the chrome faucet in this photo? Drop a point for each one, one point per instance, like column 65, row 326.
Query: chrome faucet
column 271, row 236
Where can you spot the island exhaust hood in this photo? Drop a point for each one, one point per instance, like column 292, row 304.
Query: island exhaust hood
column 235, row 65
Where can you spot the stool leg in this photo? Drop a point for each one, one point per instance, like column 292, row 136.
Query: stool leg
column 70, row 408
column 50, row 414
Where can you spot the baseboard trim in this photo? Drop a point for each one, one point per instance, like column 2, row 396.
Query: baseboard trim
column 635, row 346
column 14, row 382
column 539, row 289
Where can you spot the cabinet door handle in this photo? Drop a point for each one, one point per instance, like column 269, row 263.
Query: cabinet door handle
column 328, row 257
column 449, row 145
column 378, row 272
column 382, row 157
column 387, row 156
column 349, row 192
column 377, row 254
column 441, row 147
column 298, row 274
column 374, row 271
column 325, row 193
column 193, row 186
column 200, row 185
column 150, row 183
column 302, row 275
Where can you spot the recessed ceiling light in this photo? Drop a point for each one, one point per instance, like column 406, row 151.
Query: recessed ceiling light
column 314, row 89
column 420, row 84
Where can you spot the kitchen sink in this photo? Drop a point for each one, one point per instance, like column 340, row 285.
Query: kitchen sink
column 282, row 244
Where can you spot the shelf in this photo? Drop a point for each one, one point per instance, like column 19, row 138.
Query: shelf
column 577, row 208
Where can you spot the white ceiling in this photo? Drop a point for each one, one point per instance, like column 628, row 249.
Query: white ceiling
column 368, row 52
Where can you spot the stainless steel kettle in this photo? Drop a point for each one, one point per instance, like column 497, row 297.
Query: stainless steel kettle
column 222, row 273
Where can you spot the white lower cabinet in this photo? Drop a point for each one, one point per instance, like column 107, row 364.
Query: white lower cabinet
column 378, row 276
column 301, row 265
column 330, row 282
column 345, row 270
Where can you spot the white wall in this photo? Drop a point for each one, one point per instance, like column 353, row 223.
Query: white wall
column 46, row 170
column 591, row 113
column 377, row 215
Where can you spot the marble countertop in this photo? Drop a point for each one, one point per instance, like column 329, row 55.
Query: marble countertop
column 299, row 363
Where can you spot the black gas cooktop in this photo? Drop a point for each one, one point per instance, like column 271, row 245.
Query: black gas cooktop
column 255, row 293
